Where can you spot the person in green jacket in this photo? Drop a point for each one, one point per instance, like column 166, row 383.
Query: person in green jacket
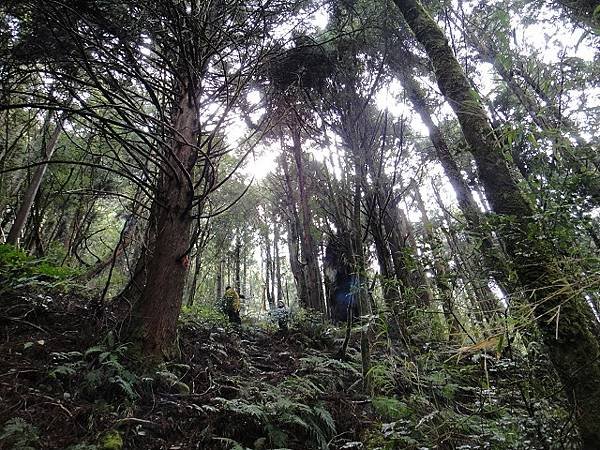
column 232, row 305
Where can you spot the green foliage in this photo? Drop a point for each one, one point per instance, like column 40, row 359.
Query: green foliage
column 19, row 270
column 391, row 408
column 203, row 314
column 313, row 424
column 111, row 440
column 313, row 326
column 288, row 414
column 467, row 405
column 17, row 434
column 382, row 378
column 169, row 377
column 330, row 373
column 99, row 371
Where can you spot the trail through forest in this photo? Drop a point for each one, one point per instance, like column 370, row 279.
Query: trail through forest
column 75, row 389
column 253, row 387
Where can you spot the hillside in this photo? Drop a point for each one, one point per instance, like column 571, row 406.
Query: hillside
column 66, row 384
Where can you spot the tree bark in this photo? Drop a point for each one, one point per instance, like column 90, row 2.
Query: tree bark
column 219, row 280
column 294, row 252
column 559, row 311
column 555, row 124
column 494, row 261
column 132, row 293
column 398, row 236
column 268, row 268
column 278, row 263
column 441, row 269
column 314, row 288
column 155, row 315
column 124, row 241
column 388, row 281
column 238, row 263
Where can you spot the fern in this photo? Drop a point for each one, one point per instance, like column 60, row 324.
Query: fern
column 97, row 367
column 278, row 408
column 325, row 364
column 244, row 408
column 18, row 434
column 391, row 408
column 382, row 378
column 302, row 387
column 325, row 417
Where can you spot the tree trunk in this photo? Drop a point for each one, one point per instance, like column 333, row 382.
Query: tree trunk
column 493, row 259
column 559, row 311
column 294, row 252
column 555, row 124
column 294, row 226
column 360, row 268
column 398, row 234
column 314, row 288
column 228, row 268
column 33, row 188
column 125, row 239
column 278, row 264
column 219, row 280
column 245, row 271
column 238, row 247
column 486, row 304
column 194, row 283
column 441, row 269
column 132, row 293
column 388, row 281
column 155, row 315
column 268, row 269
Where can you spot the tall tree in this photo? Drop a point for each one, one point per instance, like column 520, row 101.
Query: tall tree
column 168, row 61
column 573, row 349
column 50, row 141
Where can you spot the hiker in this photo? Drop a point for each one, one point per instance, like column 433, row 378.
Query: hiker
column 344, row 284
column 281, row 315
column 231, row 305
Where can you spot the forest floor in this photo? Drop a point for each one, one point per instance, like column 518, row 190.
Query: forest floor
column 70, row 385
column 67, row 383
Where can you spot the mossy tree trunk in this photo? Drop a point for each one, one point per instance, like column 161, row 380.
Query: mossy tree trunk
column 560, row 314
column 550, row 118
column 495, row 263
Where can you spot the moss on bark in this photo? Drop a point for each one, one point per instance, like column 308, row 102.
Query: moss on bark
column 559, row 311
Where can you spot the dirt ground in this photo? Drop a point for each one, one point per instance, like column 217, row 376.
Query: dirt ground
column 61, row 373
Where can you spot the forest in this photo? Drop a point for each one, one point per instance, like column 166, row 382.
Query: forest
column 299, row 224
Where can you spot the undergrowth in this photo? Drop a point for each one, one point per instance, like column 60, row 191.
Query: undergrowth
column 257, row 388
column 478, row 402
column 19, row 271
